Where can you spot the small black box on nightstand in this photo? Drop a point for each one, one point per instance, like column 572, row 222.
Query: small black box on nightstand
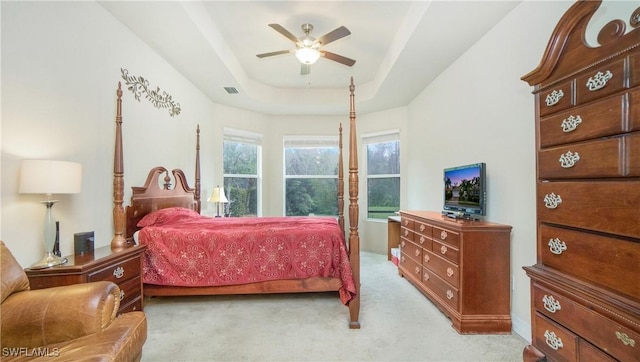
column 83, row 243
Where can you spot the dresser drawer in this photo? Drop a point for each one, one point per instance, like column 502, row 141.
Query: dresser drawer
column 422, row 228
column 406, row 233
column 447, row 251
column 583, row 160
column 616, row 340
column 610, row 207
column 410, row 249
column 600, row 82
column 423, row 241
column 407, row 223
column 448, row 271
column 604, row 118
column 557, row 343
column 446, row 236
column 410, row 266
column 555, row 99
column 442, row 289
column 601, row 260
column 118, row 272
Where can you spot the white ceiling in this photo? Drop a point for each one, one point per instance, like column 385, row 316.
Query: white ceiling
column 399, row 48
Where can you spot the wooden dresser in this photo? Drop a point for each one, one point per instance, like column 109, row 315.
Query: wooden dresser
column 122, row 267
column 585, row 285
column 462, row 266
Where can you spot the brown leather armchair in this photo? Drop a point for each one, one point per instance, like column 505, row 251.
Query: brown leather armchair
column 71, row 323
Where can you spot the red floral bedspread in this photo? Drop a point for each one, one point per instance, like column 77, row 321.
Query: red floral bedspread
column 187, row 249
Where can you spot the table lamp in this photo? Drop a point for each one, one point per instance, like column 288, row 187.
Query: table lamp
column 218, row 197
column 49, row 177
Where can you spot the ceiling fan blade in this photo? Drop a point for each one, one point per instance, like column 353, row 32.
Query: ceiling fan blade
column 337, row 58
column 264, row 55
column 334, row 35
column 285, row 32
column 305, row 69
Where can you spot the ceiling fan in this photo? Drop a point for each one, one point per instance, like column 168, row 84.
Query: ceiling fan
column 308, row 49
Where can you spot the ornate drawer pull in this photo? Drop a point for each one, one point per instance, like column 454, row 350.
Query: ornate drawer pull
column 121, row 295
column 569, row 159
column 406, row 232
column 417, row 252
column 550, row 303
column 571, row 123
column 554, row 97
column 417, row 270
column 599, row 80
column 449, row 294
column 422, row 227
column 404, row 258
column 553, row 341
column 403, row 244
column 449, row 271
column 426, row 276
column 625, row 339
column 443, row 235
column 551, row 201
column 426, row 258
column 118, row 272
column 557, row 246
column 443, row 249
column 405, row 222
column 422, row 239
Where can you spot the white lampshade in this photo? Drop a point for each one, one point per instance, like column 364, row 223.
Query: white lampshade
column 217, row 195
column 307, row 55
column 50, row 177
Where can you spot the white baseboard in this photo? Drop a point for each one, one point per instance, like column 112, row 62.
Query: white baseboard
column 520, row 327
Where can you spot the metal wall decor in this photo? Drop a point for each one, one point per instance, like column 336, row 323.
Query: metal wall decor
column 159, row 99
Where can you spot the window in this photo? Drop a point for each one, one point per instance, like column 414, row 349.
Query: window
column 241, row 153
column 311, row 175
column 382, row 152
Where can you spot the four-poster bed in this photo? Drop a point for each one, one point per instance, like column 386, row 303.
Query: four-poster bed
column 232, row 255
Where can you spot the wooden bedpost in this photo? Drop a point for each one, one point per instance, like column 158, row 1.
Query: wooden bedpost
column 197, row 185
column 118, row 241
column 340, row 182
column 354, row 237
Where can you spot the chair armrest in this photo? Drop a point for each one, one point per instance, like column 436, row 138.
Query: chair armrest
column 39, row 317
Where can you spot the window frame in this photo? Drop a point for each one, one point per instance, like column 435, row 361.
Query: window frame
column 392, row 135
column 250, row 138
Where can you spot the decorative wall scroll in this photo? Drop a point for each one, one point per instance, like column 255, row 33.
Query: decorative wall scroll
column 138, row 85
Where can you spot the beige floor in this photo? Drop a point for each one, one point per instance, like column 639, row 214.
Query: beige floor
column 398, row 324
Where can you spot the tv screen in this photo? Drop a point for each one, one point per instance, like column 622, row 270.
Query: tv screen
column 465, row 190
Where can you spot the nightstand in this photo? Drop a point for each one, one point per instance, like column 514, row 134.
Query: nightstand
column 122, row 267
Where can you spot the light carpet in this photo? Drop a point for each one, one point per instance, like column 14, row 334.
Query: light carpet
column 398, row 323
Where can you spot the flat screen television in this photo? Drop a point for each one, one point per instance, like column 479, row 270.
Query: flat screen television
column 465, row 191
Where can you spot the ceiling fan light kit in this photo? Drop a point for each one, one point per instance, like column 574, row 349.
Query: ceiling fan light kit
column 308, row 48
column 307, row 55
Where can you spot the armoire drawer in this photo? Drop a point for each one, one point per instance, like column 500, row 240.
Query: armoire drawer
column 611, row 206
column 442, row 289
column 555, row 341
column 604, row 118
column 616, row 340
column 599, row 259
column 612, row 157
column 556, row 99
column 600, row 82
column 447, row 270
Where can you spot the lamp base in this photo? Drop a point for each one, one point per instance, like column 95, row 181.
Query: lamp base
column 49, row 261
